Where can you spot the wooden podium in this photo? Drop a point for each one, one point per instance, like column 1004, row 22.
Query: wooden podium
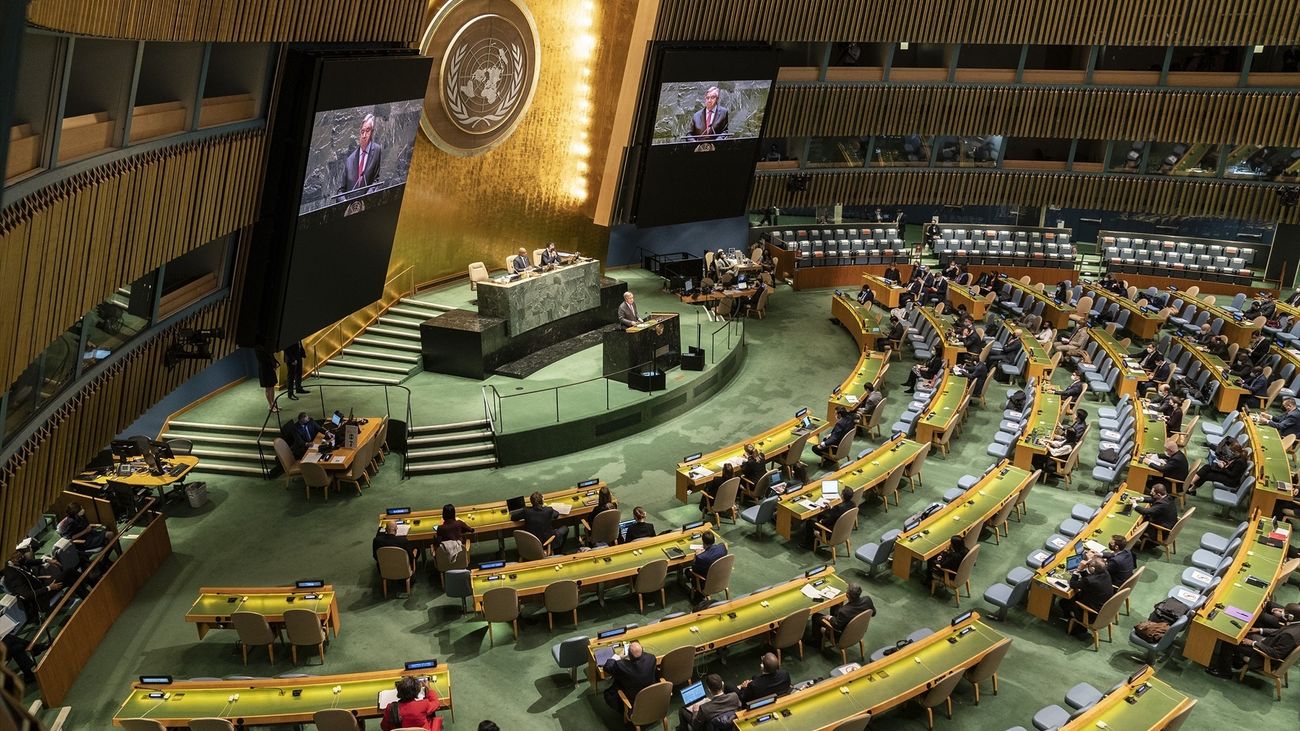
column 655, row 345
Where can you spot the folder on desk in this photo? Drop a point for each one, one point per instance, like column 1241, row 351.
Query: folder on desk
column 403, row 528
column 562, row 508
column 699, row 472
column 674, row 553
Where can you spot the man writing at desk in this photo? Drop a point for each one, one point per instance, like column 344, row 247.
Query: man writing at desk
column 520, row 263
column 301, row 433
column 627, row 315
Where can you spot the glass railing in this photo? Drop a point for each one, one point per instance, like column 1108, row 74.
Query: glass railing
column 515, row 412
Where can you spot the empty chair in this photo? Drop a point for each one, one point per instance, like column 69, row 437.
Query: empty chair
column 1051, row 717
column 501, row 605
column 302, row 628
column 210, row 724
column 649, row 707
column 940, row 693
column 457, row 585
column 315, row 476
column 761, row 514
column 394, row 565
column 858, row 722
column 571, row 654
column 1011, row 592
column 987, row 668
column 141, row 724
column 649, row 579
column 878, row 554
column 254, row 631
column 677, row 666
column 531, row 549
column 337, row 719
column 1083, row 695
column 443, row 562
column 790, row 632
column 561, row 596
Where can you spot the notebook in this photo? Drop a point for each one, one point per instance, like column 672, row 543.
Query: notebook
column 562, row 508
column 388, row 696
column 403, row 528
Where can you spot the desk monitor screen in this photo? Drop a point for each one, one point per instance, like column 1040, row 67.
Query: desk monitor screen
column 814, row 571
column 801, row 413
column 1072, row 562
column 492, row 565
column 1079, row 548
column 961, row 618
column 622, row 529
column 693, row 526
column 830, row 488
column 611, row 633
column 337, row 418
column 422, row 665
column 911, row 524
column 693, row 693
column 156, row 679
column 309, row 584
column 693, row 457
column 761, row 702
column 589, row 483
column 398, row 511
column 515, row 503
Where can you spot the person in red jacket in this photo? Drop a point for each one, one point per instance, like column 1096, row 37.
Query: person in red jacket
column 416, row 703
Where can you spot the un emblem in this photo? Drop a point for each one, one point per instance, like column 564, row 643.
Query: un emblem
column 486, row 61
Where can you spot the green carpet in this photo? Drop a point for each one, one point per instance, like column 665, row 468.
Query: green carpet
column 261, row 533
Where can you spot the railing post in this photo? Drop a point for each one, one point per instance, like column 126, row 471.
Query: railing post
column 557, row 404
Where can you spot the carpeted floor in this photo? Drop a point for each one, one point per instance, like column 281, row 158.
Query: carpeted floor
column 261, row 533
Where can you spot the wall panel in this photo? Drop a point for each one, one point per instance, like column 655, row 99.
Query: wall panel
column 1159, row 196
column 243, row 21
column 1081, row 22
column 1223, row 117
column 67, row 247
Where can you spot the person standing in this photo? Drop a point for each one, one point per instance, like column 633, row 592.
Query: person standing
column 294, row 355
column 266, row 375
column 627, row 315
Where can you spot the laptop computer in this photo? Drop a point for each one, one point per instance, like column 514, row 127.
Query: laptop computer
column 830, row 488
column 515, row 503
column 622, row 529
column 603, row 654
column 1072, row 562
column 693, row 693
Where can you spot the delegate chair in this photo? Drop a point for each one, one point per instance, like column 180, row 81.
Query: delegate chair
column 719, row 578
column 761, row 514
column 790, row 632
column 604, row 529
column 443, row 562
column 649, row 707
column 477, row 273
column 315, row 476
column 940, row 693
column 571, row 654
column 561, row 596
column 394, row 565
column 211, row 724
column 287, row 462
column 837, row 535
column 678, row 665
column 955, row 580
column 857, row 723
column 254, row 631
column 878, row 554
column 303, row 629
column 1168, row 539
column 649, row 579
column 531, row 549
column 853, row 634
column 501, row 605
column 141, row 724
column 724, row 502
column 335, row 719
column 1104, row 617
column 1272, row 669
column 987, row 668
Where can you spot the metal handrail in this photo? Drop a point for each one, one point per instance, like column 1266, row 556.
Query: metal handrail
column 268, row 467
column 315, row 339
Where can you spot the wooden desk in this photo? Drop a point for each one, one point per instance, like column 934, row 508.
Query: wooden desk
column 214, row 605
column 774, row 442
column 492, row 518
column 1042, row 425
column 944, row 408
column 1238, row 332
column 1057, row 315
column 863, row 322
column 1130, row 373
column 726, row 624
column 942, row 324
column 589, row 568
column 1229, row 392
column 714, row 296
column 1272, row 467
column 960, row 294
column 1151, row 711
column 871, row 368
column 341, row 458
column 1266, row 564
column 1151, row 435
column 1038, row 361
column 1107, row 522
column 887, row 294
column 141, row 477
column 267, row 701
column 878, row 686
column 1001, row 484
column 1141, row 323
column 864, row 474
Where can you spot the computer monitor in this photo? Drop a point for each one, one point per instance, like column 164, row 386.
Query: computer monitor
column 515, row 503
column 742, row 279
column 806, row 423
column 1079, row 548
column 688, row 285
column 830, row 488
column 693, row 693
column 337, row 418
column 622, row 528
column 611, row 633
column 124, row 449
column 1072, row 562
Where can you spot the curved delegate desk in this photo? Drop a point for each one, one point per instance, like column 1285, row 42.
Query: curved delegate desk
column 1149, row 429
column 268, row 701
column 977, row 306
column 1054, row 313
column 1144, row 323
column 701, row 469
column 1038, row 360
column 215, row 605
column 862, row 474
column 871, row 368
column 1237, row 331
column 1230, row 390
column 1002, row 483
column 1143, row 703
column 862, row 321
column 1272, row 466
column 944, row 409
column 888, row 295
column 1042, row 424
column 942, row 324
column 727, row 623
column 879, row 686
column 1130, row 373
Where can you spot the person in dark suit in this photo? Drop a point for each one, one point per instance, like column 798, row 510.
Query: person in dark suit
column 892, row 274
column 361, row 167
column 629, row 674
column 754, row 465
column 845, row 422
column 1157, row 375
column 924, row 371
column 387, row 536
column 1158, row 508
column 895, row 335
column 1228, row 467
column 1150, row 358
column 1288, row 422
column 1257, row 384
column 978, row 372
column 304, row 431
column 550, row 257
column 708, row 555
column 1259, row 348
column 1092, row 586
column 1074, row 390
column 627, row 315
column 717, row 701
column 640, row 529
column 866, row 296
column 949, row 559
column 520, row 262
column 539, row 519
column 293, row 358
column 833, row 624
column 31, row 580
column 1171, row 413
column 1172, row 465
column 771, row 680
column 827, row 519
column 1277, row 644
column 1120, row 562
column 712, row 120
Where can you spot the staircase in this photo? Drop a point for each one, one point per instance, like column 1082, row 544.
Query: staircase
column 388, row 351
column 466, row 445
column 223, row 449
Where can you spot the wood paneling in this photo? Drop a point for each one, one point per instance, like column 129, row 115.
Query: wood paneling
column 1159, row 196
column 1170, row 115
column 245, row 21
column 1082, row 22
column 65, row 248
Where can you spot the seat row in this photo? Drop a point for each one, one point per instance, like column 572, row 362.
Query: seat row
column 835, row 252
column 877, row 234
column 1047, row 236
column 1006, row 253
column 1166, row 247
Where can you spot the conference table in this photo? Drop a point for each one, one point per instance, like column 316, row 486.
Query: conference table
column 1272, row 466
column 1000, row 485
column 269, row 701
column 1127, row 709
column 944, row 408
column 1054, row 313
column 492, row 518
column 590, row 568
column 881, row 685
column 1130, row 372
column 739, row 619
column 1149, row 430
column 341, row 457
column 977, row 305
column 1052, row 581
column 1143, row 322
column 1038, row 360
column 1041, row 426
column 216, row 604
column 806, row 503
column 1230, row 390
column 863, row 322
column 700, row 469
column 175, row 470
column 1236, row 603
column 871, row 368
column 1237, row 331
column 943, row 324
column 887, row 294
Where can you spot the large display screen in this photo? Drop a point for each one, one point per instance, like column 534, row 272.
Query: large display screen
column 359, row 151
column 701, row 133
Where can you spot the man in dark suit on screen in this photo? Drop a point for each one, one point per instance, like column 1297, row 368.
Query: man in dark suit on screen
column 361, row 167
column 712, row 120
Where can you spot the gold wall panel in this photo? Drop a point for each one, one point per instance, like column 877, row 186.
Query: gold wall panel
column 245, row 21
column 1169, row 115
column 67, row 247
column 1078, row 22
column 458, row 210
column 1169, row 196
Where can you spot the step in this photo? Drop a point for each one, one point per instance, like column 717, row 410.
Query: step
column 395, row 356
column 413, row 313
column 451, row 466
column 233, row 454
column 401, row 322
column 211, row 466
column 450, row 426
column 366, row 365
column 207, row 440
column 450, row 438
column 206, row 426
column 426, row 304
column 372, row 339
column 439, row 452
column 338, row 376
column 395, row 332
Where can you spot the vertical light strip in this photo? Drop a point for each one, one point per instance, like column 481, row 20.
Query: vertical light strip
column 584, row 54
